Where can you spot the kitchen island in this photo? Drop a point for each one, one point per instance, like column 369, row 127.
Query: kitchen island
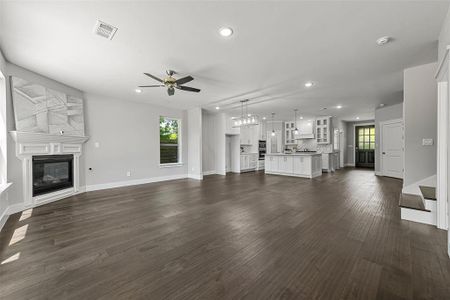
column 307, row 165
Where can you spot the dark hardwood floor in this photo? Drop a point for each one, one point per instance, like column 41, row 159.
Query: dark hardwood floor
column 249, row 236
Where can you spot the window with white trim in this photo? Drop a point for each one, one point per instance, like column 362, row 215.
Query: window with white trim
column 169, row 141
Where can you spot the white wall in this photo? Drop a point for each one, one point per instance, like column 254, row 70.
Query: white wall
column 420, row 114
column 208, row 143
column 3, row 136
column 444, row 37
column 128, row 135
column 386, row 113
column 194, row 121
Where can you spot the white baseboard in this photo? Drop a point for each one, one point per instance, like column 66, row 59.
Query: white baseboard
column 103, row 186
column 206, row 173
column 418, row 216
column 195, row 176
column 11, row 209
column 349, row 165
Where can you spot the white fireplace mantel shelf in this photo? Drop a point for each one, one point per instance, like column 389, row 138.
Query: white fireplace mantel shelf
column 21, row 137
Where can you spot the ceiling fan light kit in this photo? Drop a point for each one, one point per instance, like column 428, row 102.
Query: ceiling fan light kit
column 245, row 119
column 171, row 83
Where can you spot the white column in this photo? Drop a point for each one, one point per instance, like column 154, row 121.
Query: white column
column 194, row 131
column 442, row 155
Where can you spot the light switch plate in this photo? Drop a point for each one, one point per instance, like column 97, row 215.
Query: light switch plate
column 427, row 142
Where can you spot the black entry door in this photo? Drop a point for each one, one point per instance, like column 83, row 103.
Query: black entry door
column 365, row 146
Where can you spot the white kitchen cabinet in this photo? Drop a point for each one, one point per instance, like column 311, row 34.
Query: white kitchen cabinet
column 323, row 130
column 308, row 166
column 300, row 165
column 330, row 161
column 271, row 163
column 289, row 133
column 248, row 161
column 285, row 164
column 245, row 136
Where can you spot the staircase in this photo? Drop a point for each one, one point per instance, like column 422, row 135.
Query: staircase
column 418, row 202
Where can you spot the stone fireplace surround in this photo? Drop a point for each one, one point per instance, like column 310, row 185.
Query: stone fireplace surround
column 33, row 144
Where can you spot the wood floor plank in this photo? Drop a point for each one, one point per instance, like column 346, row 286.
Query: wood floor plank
column 251, row 235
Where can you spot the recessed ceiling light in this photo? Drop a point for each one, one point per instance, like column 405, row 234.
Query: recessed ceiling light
column 309, row 84
column 226, row 31
column 301, row 118
column 138, row 91
column 383, row 40
column 381, row 104
column 357, row 118
column 339, row 106
column 217, row 107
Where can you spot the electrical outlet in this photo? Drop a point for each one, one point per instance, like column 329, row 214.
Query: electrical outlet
column 128, row 173
column 427, row 142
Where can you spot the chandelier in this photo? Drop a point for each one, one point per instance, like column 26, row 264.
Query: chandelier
column 245, row 119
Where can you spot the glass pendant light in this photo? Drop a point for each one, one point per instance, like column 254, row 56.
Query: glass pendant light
column 295, row 121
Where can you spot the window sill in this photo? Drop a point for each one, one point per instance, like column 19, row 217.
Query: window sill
column 172, row 165
column 4, row 187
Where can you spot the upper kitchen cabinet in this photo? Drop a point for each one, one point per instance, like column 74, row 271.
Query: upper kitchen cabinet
column 289, row 133
column 323, row 130
column 249, row 135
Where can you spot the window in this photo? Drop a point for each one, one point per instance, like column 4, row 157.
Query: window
column 366, row 138
column 169, row 141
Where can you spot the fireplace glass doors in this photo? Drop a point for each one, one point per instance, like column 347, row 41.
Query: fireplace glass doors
column 52, row 173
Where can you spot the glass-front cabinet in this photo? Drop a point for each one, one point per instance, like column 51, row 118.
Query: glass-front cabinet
column 323, row 135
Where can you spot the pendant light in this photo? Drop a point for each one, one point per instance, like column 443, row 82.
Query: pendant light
column 273, row 130
column 295, row 121
column 245, row 119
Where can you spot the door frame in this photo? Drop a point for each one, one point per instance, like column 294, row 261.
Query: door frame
column 354, row 138
column 393, row 121
column 443, row 142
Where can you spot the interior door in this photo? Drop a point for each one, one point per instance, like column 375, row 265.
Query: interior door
column 392, row 149
column 365, row 146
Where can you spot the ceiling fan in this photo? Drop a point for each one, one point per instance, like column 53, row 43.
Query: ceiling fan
column 171, row 83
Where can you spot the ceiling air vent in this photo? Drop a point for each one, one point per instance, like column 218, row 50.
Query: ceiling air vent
column 104, row 30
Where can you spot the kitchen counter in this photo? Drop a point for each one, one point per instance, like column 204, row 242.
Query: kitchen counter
column 307, row 164
column 295, row 154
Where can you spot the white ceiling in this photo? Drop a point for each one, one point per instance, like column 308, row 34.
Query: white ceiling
column 277, row 46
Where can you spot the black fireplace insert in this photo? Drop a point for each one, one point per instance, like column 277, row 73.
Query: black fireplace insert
column 52, row 173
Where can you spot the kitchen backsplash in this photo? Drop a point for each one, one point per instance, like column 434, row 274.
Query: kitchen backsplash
column 311, row 145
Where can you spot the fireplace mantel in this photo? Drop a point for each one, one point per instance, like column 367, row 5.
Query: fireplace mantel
column 30, row 144
column 30, row 137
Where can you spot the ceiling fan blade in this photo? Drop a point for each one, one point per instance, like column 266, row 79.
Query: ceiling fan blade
column 155, row 85
column 188, row 88
column 154, row 77
column 184, row 80
column 170, row 91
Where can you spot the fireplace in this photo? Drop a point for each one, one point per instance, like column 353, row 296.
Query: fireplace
column 52, row 173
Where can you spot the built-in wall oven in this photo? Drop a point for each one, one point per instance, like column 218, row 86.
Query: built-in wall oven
column 262, row 149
